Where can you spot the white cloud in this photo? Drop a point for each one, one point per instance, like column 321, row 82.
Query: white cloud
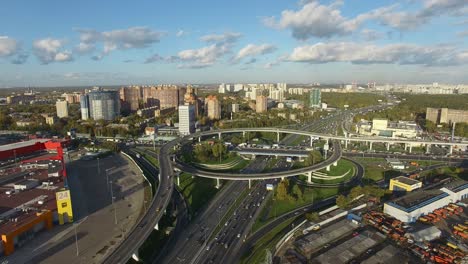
column 204, row 56
column 252, row 50
column 324, row 21
column 463, row 34
column 222, row 38
column 8, row 46
column 84, row 48
column 154, row 58
column 359, row 53
column 50, row 50
column 181, row 33
column 130, row 38
column 314, row 20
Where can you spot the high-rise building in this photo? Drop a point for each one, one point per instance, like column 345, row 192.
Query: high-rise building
column 282, row 87
column 277, row 95
column 72, row 98
column 238, row 87
column 164, row 96
column 62, row 108
column 315, row 98
column 213, row 106
column 186, row 119
column 261, row 104
column 235, row 108
column 222, row 88
column 99, row 104
column 131, row 96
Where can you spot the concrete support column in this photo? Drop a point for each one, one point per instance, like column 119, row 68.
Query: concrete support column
column 243, row 134
column 450, row 149
column 410, row 148
column 335, row 163
column 156, row 227
column 309, row 177
column 277, row 137
column 325, row 153
column 428, row 148
column 328, row 168
column 250, row 184
column 311, row 142
column 388, row 146
column 199, row 139
column 218, row 184
column 370, row 145
column 178, row 180
column 136, row 257
column 219, row 135
column 282, row 178
column 406, row 147
column 346, row 144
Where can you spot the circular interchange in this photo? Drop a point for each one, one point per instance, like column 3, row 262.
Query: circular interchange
column 255, row 176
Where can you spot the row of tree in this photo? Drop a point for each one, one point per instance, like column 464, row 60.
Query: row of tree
column 368, row 191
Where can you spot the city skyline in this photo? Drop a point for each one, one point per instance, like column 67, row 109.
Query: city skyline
column 209, row 42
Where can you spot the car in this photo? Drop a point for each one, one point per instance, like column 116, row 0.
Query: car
column 238, row 235
column 355, row 234
column 208, row 247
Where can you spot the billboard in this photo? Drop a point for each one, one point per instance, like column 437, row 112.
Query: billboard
column 64, row 206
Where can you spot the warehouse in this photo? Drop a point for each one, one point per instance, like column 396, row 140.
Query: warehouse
column 409, row 207
column 405, row 184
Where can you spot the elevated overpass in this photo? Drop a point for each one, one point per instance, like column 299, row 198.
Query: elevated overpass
column 272, row 152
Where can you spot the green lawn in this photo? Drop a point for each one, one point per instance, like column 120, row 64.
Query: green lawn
column 342, row 167
column 309, row 195
column 268, row 242
column 197, row 190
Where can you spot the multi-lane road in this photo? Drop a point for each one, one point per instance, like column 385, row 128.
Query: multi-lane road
column 145, row 226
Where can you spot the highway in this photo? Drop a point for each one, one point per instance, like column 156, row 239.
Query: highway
column 145, row 226
column 262, row 176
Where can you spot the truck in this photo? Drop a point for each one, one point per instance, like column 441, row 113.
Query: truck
column 138, row 155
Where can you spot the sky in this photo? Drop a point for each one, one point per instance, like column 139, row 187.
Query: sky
column 53, row 43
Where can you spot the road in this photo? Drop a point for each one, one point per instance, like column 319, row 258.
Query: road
column 229, row 239
column 161, row 199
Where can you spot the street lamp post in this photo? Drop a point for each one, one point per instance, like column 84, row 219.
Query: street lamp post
column 98, row 166
column 76, row 235
column 113, row 204
column 107, row 178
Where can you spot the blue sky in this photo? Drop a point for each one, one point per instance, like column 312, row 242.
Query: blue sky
column 49, row 43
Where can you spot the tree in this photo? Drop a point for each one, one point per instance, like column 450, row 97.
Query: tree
column 355, row 192
column 282, row 190
column 297, row 192
column 314, row 157
column 342, row 201
column 312, row 216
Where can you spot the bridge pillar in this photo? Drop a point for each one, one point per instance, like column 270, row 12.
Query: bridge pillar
column 325, row 153
column 136, row 257
column 328, row 168
column 219, row 135
column 178, row 180
column 199, row 139
column 156, row 227
column 410, row 148
column 250, row 184
column 406, row 147
column 311, row 142
column 243, row 134
column 277, row 137
column 450, row 149
column 309, row 177
column 335, row 163
column 388, row 146
column 428, row 148
column 346, row 144
column 218, row 184
column 370, row 145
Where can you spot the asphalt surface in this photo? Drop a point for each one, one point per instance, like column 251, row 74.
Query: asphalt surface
column 161, row 199
column 336, row 155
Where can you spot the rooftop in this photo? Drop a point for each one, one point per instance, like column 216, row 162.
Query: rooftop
column 418, row 199
column 406, row 180
column 457, row 185
column 22, row 144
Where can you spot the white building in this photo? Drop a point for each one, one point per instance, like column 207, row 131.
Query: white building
column 234, row 108
column 238, row 87
column 385, row 128
column 415, row 204
column 62, row 108
column 277, row 95
column 282, row 87
column 222, row 88
column 186, row 119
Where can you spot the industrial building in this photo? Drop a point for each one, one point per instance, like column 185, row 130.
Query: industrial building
column 404, row 184
column 415, row 204
column 385, row 128
column 445, row 115
column 31, row 191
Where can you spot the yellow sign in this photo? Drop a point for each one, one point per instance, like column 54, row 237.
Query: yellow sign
column 64, row 207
